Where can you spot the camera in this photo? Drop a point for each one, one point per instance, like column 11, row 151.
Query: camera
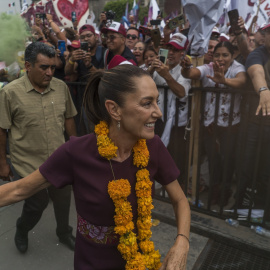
column 41, row 16
column 110, row 15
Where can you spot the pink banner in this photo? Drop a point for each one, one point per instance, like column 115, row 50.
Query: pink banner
column 61, row 11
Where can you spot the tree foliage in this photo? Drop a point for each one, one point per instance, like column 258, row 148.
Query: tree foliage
column 119, row 8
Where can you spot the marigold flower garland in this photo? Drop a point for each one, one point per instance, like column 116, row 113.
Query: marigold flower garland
column 119, row 190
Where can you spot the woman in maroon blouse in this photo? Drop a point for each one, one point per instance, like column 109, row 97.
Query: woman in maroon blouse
column 125, row 99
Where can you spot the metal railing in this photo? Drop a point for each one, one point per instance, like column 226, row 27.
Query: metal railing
column 204, row 144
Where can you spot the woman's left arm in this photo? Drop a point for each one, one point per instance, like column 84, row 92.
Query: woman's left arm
column 176, row 258
column 238, row 81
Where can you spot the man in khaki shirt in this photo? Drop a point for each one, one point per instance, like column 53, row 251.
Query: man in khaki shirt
column 36, row 110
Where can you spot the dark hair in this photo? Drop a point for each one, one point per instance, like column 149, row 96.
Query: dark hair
column 36, row 48
column 225, row 44
column 134, row 28
column 111, row 84
column 149, row 48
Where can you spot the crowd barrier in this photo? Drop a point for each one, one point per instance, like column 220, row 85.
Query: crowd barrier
column 200, row 182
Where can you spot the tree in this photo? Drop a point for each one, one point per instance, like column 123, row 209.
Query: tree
column 119, row 8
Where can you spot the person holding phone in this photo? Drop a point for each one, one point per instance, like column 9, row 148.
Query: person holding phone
column 239, row 39
column 169, row 74
column 89, row 57
column 81, row 63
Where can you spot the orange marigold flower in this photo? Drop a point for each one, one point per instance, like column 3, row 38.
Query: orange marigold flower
column 146, row 201
column 147, row 246
column 119, row 189
column 106, row 147
column 102, row 128
column 137, row 263
column 124, row 211
column 128, row 239
column 127, row 252
column 144, row 234
column 143, row 189
column 152, row 260
column 124, row 229
column 143, row 175
column 144, row 224
column 145, row 206
column 123, row 220
column 141, row 154
column 122, row 207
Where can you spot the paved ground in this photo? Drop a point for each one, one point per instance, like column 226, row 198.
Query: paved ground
column 45, row 252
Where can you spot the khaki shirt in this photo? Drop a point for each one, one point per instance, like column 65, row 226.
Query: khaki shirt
column 35, row 121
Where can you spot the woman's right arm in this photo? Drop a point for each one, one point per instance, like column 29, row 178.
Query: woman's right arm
column 188, row 71
column 19, row 190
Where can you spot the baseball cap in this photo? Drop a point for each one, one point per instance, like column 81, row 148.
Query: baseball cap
column 224, row 37
column 118, row 60
column 87, row 27
column 215, row 31
column 264, row 26
column 115, row 27
column 179, row 41
column 75, row 44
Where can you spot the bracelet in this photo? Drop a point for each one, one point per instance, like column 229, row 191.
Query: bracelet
column 263, row 89
column 71, row 62
column 180, row 234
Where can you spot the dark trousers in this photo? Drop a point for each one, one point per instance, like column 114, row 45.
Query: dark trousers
column 256, row 154
column 35, row 205
column 177, row 147
column 220, row 144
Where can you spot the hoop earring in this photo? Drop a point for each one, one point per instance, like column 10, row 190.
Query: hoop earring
column 118, row 125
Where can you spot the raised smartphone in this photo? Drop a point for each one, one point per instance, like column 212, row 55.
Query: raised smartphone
column 84, row 46
column 163, row 55
column 177, row 21
column 61, row 45
column 233, row 17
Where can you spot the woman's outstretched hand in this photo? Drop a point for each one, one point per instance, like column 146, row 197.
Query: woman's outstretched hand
column 219, row 76
column 176, row 259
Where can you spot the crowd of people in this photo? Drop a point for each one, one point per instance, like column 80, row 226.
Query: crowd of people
column 122, row 109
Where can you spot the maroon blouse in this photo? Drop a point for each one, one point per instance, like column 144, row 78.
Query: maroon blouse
column 79, row 164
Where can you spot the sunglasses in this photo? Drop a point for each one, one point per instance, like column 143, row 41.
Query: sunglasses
column 131, row 36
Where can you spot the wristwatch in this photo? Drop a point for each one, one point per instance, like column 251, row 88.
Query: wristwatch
column 263, row 89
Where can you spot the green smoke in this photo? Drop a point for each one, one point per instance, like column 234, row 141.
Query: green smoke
column 13, row 33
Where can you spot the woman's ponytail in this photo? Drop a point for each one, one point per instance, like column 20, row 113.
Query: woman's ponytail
column 91, row 102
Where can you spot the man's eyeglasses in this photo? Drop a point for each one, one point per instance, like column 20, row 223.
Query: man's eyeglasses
column 131, row 36
column 86, row 36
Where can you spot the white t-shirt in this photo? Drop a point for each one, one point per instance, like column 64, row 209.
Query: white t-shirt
column 183, row 108
column 225, row 98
